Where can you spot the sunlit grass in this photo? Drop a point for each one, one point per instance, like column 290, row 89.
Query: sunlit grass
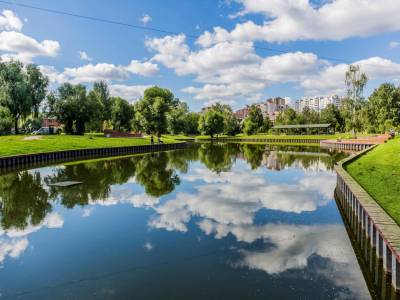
column 14, row 145
column 378, row 171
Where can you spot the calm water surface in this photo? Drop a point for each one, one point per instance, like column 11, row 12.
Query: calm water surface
column 213, row 221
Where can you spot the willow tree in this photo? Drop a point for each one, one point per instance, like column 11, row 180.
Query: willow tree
column 355, row 82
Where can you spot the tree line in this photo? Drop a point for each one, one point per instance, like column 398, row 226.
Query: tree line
column 25, row 99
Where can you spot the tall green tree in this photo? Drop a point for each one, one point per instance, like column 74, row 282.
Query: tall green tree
column 15, row 92
column 6, row 121
column 331, row 114
column 254, row 122
column 211, row 123
column 101, row 94
column 38, row 84
column 287, row 117
column 177, row 118
column 192, row 123
column 122, row 114
column 151, row 110
column 73, row 108
column 384, row 108
column 355, row 82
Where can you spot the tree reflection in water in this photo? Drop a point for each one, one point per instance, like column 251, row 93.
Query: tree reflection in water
column 26, row 198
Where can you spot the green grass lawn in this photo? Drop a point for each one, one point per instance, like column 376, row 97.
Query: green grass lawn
column 14, row 145
column 378, row 171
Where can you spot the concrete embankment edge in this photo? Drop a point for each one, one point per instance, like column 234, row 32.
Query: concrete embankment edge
column 8, row 163
column 382, row 231
column 283, row 141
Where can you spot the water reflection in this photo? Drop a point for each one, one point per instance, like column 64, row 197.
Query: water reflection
column 271, row 208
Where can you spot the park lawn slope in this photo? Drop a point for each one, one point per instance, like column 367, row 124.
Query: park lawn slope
column 15, row 145
column 378, row 172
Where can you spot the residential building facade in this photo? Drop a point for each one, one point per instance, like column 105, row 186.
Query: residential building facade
column 318, row 103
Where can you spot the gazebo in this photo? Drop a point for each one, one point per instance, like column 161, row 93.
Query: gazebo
column 304, row 129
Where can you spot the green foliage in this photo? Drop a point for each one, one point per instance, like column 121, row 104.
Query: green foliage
column 21, row 89
column 152, row 109
column 254, row 122
column 101, row 96
column 15, row 90
column 383, row 108
column 6, row 121
column 73, row 108
column 331, row 114
column 37, row 83
column 177, row 118
column 192, row 123
column 287, row 117
column 122, row 114
column 212, row 122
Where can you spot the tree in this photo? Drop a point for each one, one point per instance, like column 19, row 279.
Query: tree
column 331, row 114
column 192, row 123
column 6, row 121
column 384, row 108
column 151, row 110
column 101, row 94
column 37, row 83
column 211, row 123
column 73, row 108
column 355, row 82
column 177, row 118
column 287, row 117
column 308, row 116
column 254, row 121
column 15, row 92
column 231, row 123
column 267, row 125
column 122, row 114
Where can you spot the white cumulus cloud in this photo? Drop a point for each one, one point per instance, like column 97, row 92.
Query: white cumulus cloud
column 84, row 56
column 10, row 21
column 287, row 20
column 128, row 92
column 145, row 19
column 25, row 48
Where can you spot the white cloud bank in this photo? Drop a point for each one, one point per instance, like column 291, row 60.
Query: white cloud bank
column 17, row 45
column 288, row 20
column 231, row 70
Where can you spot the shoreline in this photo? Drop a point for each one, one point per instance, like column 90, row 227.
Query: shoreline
column 9, row 163
column 380, row 229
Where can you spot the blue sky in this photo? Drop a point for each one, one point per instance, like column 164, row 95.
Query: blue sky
column 226, row 63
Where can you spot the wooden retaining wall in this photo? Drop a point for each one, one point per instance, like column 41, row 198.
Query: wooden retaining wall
column 382, row 232
column 305, row 141
column 27, row 160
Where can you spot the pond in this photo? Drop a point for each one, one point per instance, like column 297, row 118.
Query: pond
column 212, row 221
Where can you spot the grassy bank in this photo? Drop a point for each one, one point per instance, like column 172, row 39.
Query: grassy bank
column 14, row 145
column 378, row 171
